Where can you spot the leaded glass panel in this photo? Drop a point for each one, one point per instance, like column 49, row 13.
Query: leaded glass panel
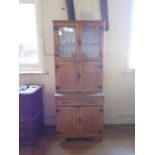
column 91, row 42
column 67, row 42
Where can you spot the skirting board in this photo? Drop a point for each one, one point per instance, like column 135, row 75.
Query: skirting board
column 109, row 126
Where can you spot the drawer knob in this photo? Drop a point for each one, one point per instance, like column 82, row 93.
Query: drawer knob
column 101, row 110
column 65, row 102
column 100, row 131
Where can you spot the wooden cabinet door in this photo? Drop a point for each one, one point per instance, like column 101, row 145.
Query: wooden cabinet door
column 67, row 121
column 91, row 121
column 65, row 38
column 91, row 76
column 67, row 77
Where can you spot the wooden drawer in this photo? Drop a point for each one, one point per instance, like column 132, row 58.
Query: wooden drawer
column 80, row 102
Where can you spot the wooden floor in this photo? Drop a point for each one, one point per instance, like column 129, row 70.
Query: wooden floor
column 117, row 141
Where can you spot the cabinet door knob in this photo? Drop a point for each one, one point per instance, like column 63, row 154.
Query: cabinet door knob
column 78, row 76
column 79, row 43
column 79, row 120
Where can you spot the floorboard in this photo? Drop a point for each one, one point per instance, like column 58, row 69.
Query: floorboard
column 116, row 141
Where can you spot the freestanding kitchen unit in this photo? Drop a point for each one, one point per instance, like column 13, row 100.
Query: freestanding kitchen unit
column 79, row 96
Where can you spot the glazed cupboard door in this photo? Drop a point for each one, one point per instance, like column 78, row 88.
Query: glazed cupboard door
column 67, row 121
column 90, row 56
column 91, row 37
column 65, row 38
column 91, row 121
column 67, row 77
column 91, row 76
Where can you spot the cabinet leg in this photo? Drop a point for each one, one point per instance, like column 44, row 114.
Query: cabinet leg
column 62, row 139
column 98, row 139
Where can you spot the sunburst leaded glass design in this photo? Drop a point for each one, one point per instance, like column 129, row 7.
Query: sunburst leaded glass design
column 67, row 42
column 90, row 42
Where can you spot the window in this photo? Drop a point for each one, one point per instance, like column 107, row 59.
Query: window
column 30, row 40
column 133, row 36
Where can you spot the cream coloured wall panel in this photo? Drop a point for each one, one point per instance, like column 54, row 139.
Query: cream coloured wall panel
column 119, row 91
column 52, row 10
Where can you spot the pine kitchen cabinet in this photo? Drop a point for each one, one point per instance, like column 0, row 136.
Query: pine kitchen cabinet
column 79, row 94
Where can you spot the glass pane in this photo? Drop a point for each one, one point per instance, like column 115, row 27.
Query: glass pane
column 27, row 34
column 67, row 42
column 91, row 42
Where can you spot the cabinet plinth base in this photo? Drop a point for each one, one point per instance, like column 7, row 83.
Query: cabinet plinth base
column 95, row 139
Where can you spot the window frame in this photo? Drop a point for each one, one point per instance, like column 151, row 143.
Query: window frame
column 131, row 67
column 37, row 67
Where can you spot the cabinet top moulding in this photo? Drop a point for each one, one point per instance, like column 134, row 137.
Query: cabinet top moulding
column 91, row 22
column 80, row 21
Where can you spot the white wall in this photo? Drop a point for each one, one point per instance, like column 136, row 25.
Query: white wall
column 118, row 86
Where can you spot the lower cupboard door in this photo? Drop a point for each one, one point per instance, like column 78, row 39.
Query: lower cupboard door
column 92, row 121
column 67, row 122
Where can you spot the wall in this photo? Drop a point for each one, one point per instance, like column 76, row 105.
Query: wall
column 118, row 85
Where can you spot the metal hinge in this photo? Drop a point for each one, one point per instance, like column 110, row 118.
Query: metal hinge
column 100, row 132
column 57, row 110
column 55, row 28
column 100, row 54
column 78, row 76
column 102, row 29
column 100, row 66
column 56, row 66
column 57, row 87
column 56, row 54
column 79, row 120
column 58, row 133
column 100, row 87
column 101, row 110
column 79, row 43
